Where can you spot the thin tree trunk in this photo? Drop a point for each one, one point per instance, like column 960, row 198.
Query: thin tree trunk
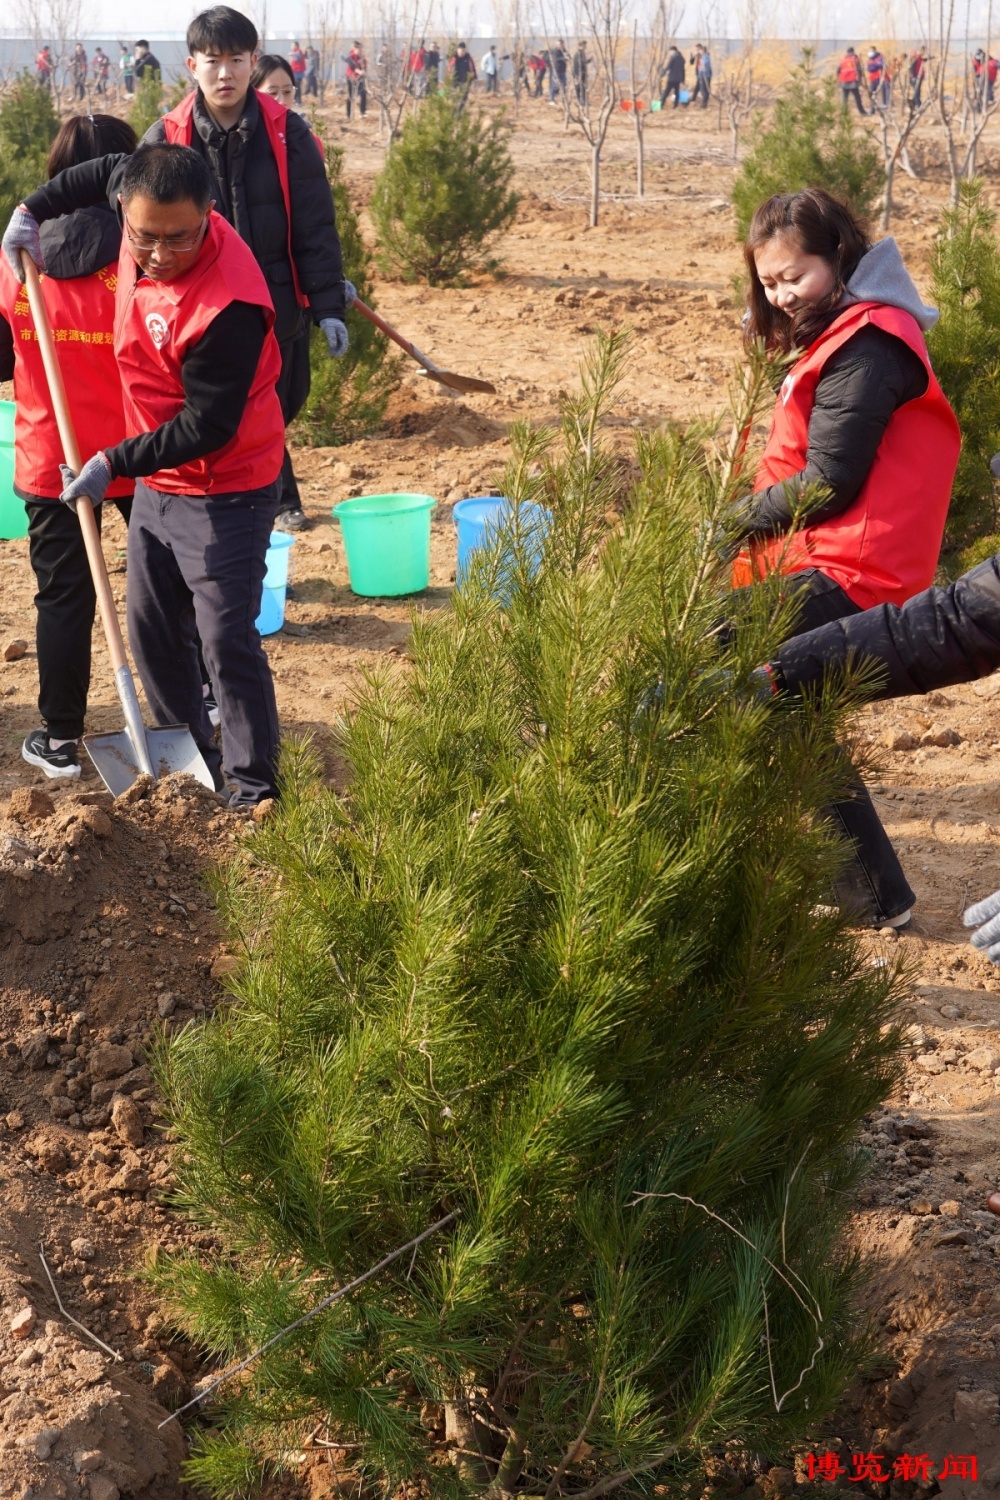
column 890, row 173
column 595, row 183
column 640, row 155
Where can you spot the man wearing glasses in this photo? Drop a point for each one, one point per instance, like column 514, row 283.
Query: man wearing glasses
column 198, row 362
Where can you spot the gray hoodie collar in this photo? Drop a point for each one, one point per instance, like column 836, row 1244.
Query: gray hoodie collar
column 881, row 276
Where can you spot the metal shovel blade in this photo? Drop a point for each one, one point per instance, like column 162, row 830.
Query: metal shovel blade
column 172, row 751
column 463, row 383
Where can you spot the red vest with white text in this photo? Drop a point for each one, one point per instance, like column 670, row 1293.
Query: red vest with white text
column 81, row 311
column 884, row 547
column 156, row 323
column 179, row 124
column 847, row 73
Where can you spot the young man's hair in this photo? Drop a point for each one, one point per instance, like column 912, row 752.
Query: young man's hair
column 85, row 137
column 167, row 174
column 221, row 29
column 142, row 43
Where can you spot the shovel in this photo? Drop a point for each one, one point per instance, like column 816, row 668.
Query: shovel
column 134, row 751
column 463, row 383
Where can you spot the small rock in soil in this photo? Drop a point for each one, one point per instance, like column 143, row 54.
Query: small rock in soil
column 23, row 1323
column 110, row 1061
column 14, row 650
column 35, row 1050
column 951, row 1208
column 29, row 804
column 127, row 1120
column 82, row 1248
column 901, row 739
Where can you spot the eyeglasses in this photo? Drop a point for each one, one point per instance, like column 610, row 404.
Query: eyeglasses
column 176, row 244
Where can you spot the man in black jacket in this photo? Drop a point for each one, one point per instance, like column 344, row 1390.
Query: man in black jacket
column 145, row 62
column 675, row 74
column 289, row 225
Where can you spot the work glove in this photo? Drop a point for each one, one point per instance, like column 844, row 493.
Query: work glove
column 351, row 296
column 92, row 481
column 336, row 336
column 22, row 234
column 985, row 916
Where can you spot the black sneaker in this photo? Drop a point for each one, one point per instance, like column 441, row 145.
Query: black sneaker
column 292, row 520
column 61, row 763
column 212, row 709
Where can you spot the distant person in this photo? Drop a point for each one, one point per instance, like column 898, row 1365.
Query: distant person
column 580, row 63
column 701, row 61
column 80, row 252
column 312, row 73
column 79, row 68
column 418, row 70
column 101, row 67
column 126, row 71
column 43, row 67
column 356, row 73
column 145, row 62
column 984, row 71
column 878, row 78
column 849, row 78
column 462, row 74
column 675, row 73
column 557, row 71
column 917, row 73
column 537, row 68
column 297, row 63
column 490, row 68
column 432, row 67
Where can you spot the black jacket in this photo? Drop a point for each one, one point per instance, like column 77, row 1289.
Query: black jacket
column 79, row 244
column 861, row 385
column 937, row 638
column 248, row 193
column 675, row 70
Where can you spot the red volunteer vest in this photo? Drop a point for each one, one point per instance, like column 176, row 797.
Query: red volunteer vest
column 157, row 323
column 884, row 548
column 179, row 125
column 848, row 70
column 82, row 314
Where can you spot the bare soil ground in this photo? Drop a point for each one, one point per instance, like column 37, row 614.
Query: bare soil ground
column 106, row 932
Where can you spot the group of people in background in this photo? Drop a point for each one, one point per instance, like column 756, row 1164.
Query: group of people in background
column 876, row 77
column 134, row 64
column 674, row 77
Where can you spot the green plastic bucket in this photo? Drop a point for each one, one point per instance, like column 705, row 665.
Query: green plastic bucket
column 13, row 516
column 387, row 539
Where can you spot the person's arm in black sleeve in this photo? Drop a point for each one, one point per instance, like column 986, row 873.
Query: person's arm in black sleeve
column 217, row 375
column 156, row 135
column 861, row 386
column 6, row 350
column 936, row 639
column 315, row 242
column 96, row 181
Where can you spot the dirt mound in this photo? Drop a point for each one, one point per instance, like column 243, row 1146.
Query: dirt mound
column 106, row 934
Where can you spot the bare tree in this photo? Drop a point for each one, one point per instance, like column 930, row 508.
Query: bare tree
column 59, row 23
column 740, row 89
column 951, row 89
column 645, row 76
column 592, row 90
column 392, row 80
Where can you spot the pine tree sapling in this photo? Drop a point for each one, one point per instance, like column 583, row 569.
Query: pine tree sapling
column 28, row 124
column 348, row 396
column 810, row 141
column 147, row 106
column 557, row 963
column 965, row 351
column 444, row 195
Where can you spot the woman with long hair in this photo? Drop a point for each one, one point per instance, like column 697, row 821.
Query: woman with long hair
column 80, row 253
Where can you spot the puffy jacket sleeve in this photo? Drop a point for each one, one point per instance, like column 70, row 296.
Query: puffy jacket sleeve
column 83, row 186
column 315, row 242
column 937, row 638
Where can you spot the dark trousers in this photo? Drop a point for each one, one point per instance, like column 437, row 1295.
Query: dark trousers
column 293, row 388
column 872, row 884
column 671, row 88
column 356, row 89
column 196, row 568
column 491, row 83
column 849, row 89
column 701, row 92
column 64, row 613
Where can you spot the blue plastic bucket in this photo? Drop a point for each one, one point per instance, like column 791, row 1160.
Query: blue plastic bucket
column 13, row 516
column 479, row 519
column 272, row 603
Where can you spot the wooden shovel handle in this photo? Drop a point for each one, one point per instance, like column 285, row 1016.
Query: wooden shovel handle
column 71, row 452
column 397, row 338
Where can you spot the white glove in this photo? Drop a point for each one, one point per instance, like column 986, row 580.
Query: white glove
column 985, row 915
column 337, row 337
column 92, row 481
column 22, row 234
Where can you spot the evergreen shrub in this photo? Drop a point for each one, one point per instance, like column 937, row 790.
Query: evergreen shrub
column 28, row 125
column 965, row 351
column 809, row 141
column 348, row 396
column 147, row 104
column 444, row 195
column 557, row 962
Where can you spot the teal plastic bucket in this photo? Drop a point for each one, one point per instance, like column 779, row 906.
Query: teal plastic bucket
column 272, row 602
column 479, row 520
column 387, row 539
column 13, row 516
